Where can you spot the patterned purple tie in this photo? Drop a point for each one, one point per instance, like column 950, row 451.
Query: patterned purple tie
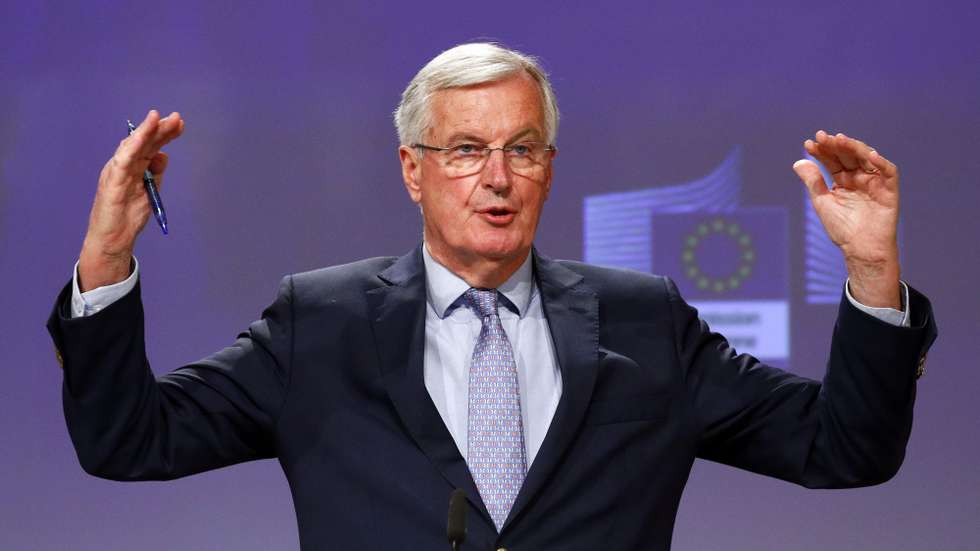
column 495, row 432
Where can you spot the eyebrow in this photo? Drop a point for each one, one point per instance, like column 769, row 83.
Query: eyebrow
column 467, row 137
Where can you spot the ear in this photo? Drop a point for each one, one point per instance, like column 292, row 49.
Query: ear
column 547, row 181
column 411, row 171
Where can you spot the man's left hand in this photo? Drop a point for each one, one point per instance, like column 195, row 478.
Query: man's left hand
column 859, row 212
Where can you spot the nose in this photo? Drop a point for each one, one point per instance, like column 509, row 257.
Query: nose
column 496, row 174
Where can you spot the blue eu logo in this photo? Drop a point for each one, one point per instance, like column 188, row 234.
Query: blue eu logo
column 718, row 256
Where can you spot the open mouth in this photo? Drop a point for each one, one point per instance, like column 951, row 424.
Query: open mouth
column 497, row 216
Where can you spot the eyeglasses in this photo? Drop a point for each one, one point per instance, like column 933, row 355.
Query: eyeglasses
column 466, row 159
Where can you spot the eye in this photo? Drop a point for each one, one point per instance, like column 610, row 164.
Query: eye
column 521, row 149
column 467, row 150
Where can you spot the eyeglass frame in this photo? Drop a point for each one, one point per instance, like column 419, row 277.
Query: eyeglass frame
column 487, row 149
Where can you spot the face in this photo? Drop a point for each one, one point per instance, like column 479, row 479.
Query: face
column 491, row 215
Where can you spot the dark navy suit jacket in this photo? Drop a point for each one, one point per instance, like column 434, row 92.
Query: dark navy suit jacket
column 329, row 381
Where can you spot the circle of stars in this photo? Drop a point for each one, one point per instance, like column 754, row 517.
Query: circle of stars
column 746, row 256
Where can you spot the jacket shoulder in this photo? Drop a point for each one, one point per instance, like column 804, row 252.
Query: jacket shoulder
column 621, row 284
column 343, row 280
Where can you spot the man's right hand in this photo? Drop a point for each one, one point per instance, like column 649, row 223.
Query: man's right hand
column 121, row 207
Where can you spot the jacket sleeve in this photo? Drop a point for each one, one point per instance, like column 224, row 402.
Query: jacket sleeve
column 848, row 430
column 127, row 424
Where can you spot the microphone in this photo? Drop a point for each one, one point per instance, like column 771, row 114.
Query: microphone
column 456, row 525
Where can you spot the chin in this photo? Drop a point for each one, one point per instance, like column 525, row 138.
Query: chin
column 498, row 247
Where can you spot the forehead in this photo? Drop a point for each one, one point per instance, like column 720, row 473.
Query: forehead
column 490, row 111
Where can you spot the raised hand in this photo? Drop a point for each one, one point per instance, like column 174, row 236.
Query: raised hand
column 121, row 208
column 859, row 211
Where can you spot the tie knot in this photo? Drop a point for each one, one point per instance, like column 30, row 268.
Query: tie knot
column 482, row 301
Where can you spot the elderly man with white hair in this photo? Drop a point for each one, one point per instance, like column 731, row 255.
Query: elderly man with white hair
column 567, row 402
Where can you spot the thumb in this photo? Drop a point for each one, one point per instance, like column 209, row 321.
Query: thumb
column 812, row 178
column 158, row 164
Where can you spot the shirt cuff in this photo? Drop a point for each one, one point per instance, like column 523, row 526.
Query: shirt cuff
column 90, row 302
column 900, row 318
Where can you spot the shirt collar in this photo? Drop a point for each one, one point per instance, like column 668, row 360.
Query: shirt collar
column 443, row 287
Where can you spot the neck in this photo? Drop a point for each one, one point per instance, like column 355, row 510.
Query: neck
column 476, row 271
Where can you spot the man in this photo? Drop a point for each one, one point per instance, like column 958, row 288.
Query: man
column 567, row 401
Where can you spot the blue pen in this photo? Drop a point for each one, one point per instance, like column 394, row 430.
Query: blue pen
column 152, row 193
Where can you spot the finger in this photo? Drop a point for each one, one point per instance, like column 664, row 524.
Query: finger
column 887, row 168
column 832, row 149
column 809, row 173
column 826, row 152
column 131, row 147
column 844, row 152
column 148, row 123
column 169, row 128
column 860, row 151
column 828, row 160
column 153, row 133
column 158, row 165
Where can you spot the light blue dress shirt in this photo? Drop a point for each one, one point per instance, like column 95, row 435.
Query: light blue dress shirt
column 451, row 332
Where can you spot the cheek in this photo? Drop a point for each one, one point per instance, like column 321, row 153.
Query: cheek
column 446, row 206
column 533, row 203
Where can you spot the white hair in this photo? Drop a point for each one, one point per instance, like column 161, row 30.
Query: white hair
column 468, row 65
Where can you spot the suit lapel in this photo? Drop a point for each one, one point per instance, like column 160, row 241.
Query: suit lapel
column 398, row 319
column 572, row 310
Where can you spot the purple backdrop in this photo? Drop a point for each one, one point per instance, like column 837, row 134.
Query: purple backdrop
column 288, row 163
